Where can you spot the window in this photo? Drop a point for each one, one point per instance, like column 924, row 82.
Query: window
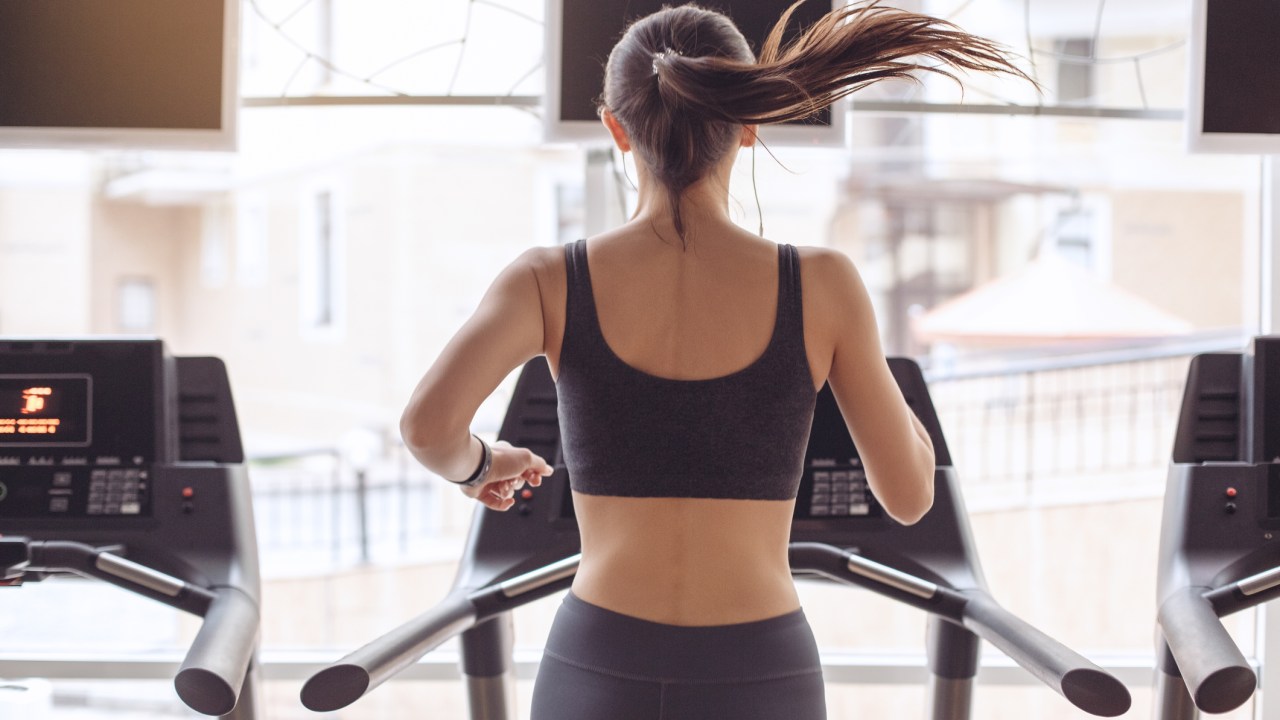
column 251, row 243
column 136, row 305
column 322, row 260
column 213, row 246
column 1075, row 71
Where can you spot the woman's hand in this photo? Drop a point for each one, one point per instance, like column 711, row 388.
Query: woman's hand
column 512, row 467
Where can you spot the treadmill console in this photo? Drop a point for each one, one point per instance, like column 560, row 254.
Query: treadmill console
column 81, row 427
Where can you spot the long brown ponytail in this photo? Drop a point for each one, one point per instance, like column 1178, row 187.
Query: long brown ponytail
column 683, row 81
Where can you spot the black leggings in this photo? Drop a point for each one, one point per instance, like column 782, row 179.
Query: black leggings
column 603, row 665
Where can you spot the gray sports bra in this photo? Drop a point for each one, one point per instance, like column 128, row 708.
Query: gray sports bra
column 626, row 432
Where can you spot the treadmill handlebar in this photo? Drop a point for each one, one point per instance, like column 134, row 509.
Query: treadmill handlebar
column 1069, row 673
column 1080, row 681
column 536, row 580
column 214, row 670
column 350, row 678
column 853, row 569
column 15, row 557
column 55, row 556
column 1216, row 673
column 355, row 675
column 1253, row 590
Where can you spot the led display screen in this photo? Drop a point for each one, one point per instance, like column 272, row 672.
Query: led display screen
column 40, row 410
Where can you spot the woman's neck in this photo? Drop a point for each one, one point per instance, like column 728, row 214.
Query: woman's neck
column 703, row 204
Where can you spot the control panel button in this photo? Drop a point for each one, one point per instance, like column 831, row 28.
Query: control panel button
column 838, row 490
column 59, row 504
column 62, row 479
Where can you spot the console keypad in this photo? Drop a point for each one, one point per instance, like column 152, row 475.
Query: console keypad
column 117, row 491
column 840, row 492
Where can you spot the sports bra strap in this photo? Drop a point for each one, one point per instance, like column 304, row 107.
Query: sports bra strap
column 790, row 307
column 581, row 322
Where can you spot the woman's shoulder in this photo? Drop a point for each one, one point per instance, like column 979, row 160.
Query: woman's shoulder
column 832, row 289
column 542, row 261
column 540, row 256
column 827, row 267
column 546, row 265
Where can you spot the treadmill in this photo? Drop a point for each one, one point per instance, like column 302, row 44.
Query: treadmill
column 839, row 533
column 121, row 463
column 1218, row 547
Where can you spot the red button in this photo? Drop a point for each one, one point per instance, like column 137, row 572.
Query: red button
column 1231, row 492
column 188, row 492
column 526, row 494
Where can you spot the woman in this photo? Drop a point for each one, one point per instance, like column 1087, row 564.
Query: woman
column 688, row 354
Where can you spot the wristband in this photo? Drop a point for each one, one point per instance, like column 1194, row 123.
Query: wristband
column 482, row 471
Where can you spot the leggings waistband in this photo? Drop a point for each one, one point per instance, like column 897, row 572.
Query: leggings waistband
column 603, row 640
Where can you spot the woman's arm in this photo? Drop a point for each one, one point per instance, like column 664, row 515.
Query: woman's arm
column 505, row 332
column 895, row 448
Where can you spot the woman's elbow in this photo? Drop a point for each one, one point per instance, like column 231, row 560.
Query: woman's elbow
column 416, row 432
column 913, row 500
column 911, row 512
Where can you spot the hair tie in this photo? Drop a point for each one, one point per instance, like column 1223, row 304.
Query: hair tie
column 662, row 55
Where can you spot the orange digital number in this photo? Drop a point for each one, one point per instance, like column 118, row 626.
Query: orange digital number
column 34, row 399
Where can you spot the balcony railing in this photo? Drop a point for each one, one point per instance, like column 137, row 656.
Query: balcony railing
column 1088, row 427
column 316, row 512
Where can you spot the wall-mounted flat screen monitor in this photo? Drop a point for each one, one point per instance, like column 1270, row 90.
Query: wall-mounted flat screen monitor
column 130, row 74
column 1233, row 100
column 580, row 34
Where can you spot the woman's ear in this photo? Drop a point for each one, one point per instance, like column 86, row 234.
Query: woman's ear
column 749, row 135
column 615, row 129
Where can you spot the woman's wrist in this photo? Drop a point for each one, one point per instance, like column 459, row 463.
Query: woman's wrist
column 478, row 477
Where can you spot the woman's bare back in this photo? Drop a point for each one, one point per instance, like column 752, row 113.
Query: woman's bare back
column 694, row 314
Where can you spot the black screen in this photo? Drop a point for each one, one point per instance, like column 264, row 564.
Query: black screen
column 590, row 29
column 38, row 410
column 1242, row 67
column 148, row 64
